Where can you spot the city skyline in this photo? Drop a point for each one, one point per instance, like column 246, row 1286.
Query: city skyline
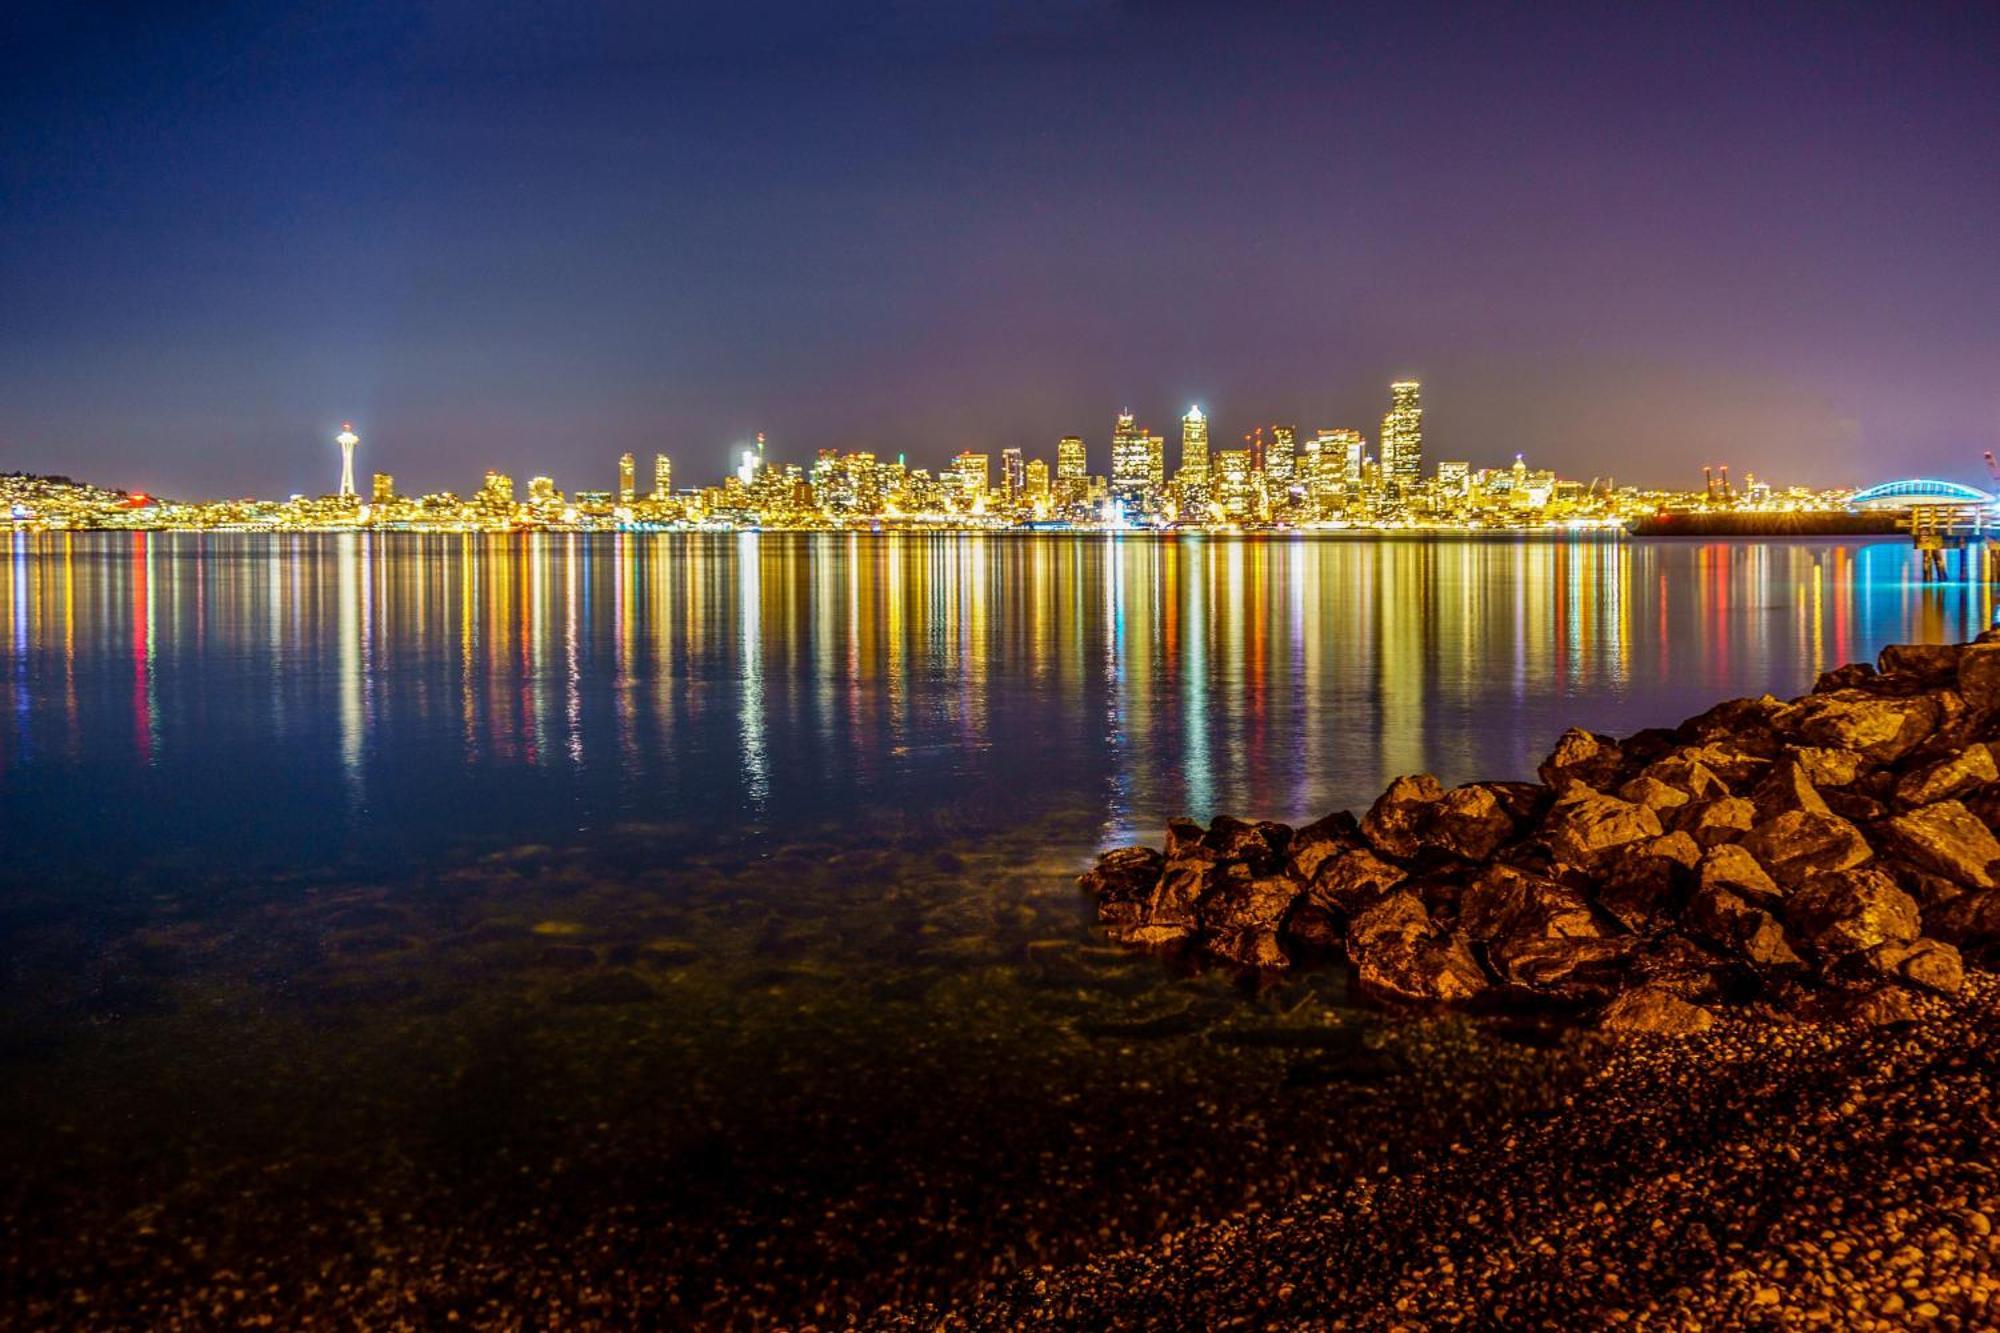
column 512, row 241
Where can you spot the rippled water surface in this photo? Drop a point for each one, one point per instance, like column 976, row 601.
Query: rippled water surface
column 395, row 924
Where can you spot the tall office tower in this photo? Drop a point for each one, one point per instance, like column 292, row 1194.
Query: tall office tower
column 974, row 475
column 627, row 479
column 1013, row 474
column 384, row 488
column 1070, row 462
column 1194, row 446
column 1036, row 480
column 1231, row 484
column 1281, row 455
column 1455, row 478
column 1253, row 444
column 1403, row 438
column 347, row 439
column 751, row 462
column 1338, row 464
column 663, row 477
column 1138, row 464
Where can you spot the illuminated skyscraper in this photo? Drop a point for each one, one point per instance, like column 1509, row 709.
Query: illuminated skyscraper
column 1281, row 455
column 975, row 473
column 663, row 477
column 1013, row 474
column 1194, row 446
column 1455, row 478
column 1138, row 466
column 1403, row 438
column 1231, row 483
column 628, row 486
column 751, row 462
column 1036, row 480
column 384, row 488
column 1071, row 464
column 1338, row 464
column 347, row 439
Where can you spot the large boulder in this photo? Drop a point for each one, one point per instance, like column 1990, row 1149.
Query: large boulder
column 1946, row 839
column 1799, row 843
column 1926, row 964
column 1471, row 822
column 1845, row 912
column 1655, row 1011
column 1584, row 828
column 1730, row 868
column 1971, row 921
column 1420, row 970
column 1351, row 881
column 1313, row 843
column 1397, row 822
column 1979, row 677
column 1949, row 777
column 1508, row 909
column 1685, row 772
column 1824, row 767
column 1582, row 756
column 1567, row 967
column 1879, row 728
column 1718, row 821
column 1261, row 846
column 1744, row 726
column 1645, row 891
column 1786, row 788
column 1183, row 883
column 1121, row 881
column 1242, row 902
column 1932, row 663
column 1740, row 927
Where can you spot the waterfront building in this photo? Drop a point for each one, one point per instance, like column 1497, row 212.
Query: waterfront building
column 1402, row 460
column 663, row 477
column 1455, row 479
column 383, row 488
column 1194, row 446
column 627, row 479
column 1138, row 467
column 1036, row 480
column 1232, row 484
column 1013, row 475
column 974, row 472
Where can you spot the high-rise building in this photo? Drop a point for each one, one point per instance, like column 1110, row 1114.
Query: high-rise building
column 1403, row 438
column 1337, row 466
column 1138, row 466
column 974, row 475
column 1071, row 464
column 1194, row 446
column 1281, row 455
column 1036, row 480
column 663, row 477
column 1013, row 474
column 1455, row 478
column 384, row 488
column 1231, row 483
column 347, row 439
column 628, row 486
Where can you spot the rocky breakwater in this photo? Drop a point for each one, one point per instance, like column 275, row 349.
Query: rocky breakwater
column 1829, row 856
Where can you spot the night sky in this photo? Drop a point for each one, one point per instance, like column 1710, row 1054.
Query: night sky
column 1626, row 240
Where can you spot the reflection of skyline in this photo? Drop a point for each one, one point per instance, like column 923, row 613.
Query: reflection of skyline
column 752, row 676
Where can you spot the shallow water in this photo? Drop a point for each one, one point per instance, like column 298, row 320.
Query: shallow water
column 394, row 924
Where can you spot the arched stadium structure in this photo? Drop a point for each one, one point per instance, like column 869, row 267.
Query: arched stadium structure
column 1912, row 492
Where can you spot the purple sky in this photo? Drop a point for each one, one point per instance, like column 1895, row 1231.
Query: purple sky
column 1626, row 240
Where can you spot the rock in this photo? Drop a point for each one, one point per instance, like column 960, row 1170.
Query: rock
column 1123, row 875
column 1248, row 948
column 1887, row 1007
column 1678, row 847
column 1241, row 903
column 1419, row 970
column 1655, row 1011
column 1397, row 822
column 1946, row 839
column 1933, row 663
column 1729, row 762
column 1926, row 964
column 1971, row 921
column 1798, row 843
column 1979, row 677
column 1313, row 843
column 1510, row 911
column 1644, row 893
column 1313, row 928
column 1471, row 822
column 1851, row 911
column 1953, row 775
column 1184, row 838
column 1566, row 967
column 1854, row 807
column 1651, row 792
column 1183, row 883
column 1849, row 676
column 1684, row 771
column 1259, row 846
column 1351, row 881
column 1146, row 935
column 1730, row 868
column 1882, row 729
column 1680, row 966
column 1743, row 725
column 1583, row 828
column 1737, row 926
column 1824, row 767
column 1786, row 788
column 1713, row 822
column 1401, row 915
column 1581, row 756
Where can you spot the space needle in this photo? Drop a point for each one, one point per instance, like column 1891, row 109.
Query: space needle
column 347, row 439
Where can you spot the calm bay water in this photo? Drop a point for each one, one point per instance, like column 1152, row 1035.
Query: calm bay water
column 420, row 912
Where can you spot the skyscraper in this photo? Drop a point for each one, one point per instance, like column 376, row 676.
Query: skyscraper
column 1403, row 438
column 1013, row 474
column 974, row 475
column 663, row 477
column 347, row 439
column 1194, row 446
column 1138, row 466
column 1281, row 455
column 627, row 479
column 384, row 489
column 1036, row 480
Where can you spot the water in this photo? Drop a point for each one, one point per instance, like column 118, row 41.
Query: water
column 400, row 909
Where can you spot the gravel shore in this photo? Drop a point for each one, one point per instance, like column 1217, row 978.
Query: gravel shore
column 1760, row 1174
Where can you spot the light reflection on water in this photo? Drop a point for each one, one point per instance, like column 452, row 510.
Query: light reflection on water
column 262, row 698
